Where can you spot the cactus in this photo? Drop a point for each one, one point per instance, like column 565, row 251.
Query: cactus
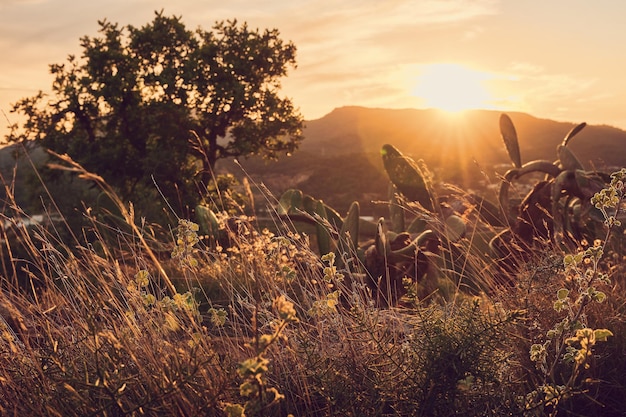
column 303, row 208
column 389, row 251
column 509, row 136
column 349, row 233
column 396, row 212
column 557, row 209
column 433, row 249
column 407, row 176
column 388, row 256
column 209, row 225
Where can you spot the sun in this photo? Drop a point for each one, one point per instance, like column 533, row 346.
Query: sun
column 452, row 88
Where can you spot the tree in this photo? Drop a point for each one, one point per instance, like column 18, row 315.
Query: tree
column 162, row 103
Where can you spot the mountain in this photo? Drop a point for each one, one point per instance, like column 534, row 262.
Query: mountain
column 339, row 159
column 473, row 134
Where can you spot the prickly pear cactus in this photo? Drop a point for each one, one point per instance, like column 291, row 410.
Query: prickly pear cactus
column 207, row 220
column 434, row 247
column 557, row 209
column 407, row 176
column 509, row 136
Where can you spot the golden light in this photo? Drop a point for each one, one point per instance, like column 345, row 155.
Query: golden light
column 452, row 87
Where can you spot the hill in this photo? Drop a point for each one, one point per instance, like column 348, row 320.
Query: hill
column 339, row 160
column 438, row 137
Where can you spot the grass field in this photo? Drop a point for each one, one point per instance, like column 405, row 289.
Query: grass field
column 128, row 319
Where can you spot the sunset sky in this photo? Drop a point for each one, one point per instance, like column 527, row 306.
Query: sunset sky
column 563, row 60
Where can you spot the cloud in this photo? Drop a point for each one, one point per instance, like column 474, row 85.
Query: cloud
column 354, row 21
column 370, row 36
column 8, row 3
column 529, row 87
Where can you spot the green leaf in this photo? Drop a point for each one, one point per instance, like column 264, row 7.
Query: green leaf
column 575, row 130
column 558, row 306
column 418, row 225
column 406, row 175
column 537, row 352
column 602, row 334
column 455, row 228
column 568, row 160
column 380, row 240
column 142, row 278
column 248, row 389
column 218, row 316
column 546, row 167
column 323, row 233
column 578, row 258
column 290, row 202
column 562, row 294
column 234, row 410
column 568, row 260
column 252, row 366
column 396, row 211
column 599, row 296
column 285, row 308
column 509, row 136
column 207, row 220
column 265, row 340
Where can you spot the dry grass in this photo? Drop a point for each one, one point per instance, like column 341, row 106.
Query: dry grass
column 105, row 324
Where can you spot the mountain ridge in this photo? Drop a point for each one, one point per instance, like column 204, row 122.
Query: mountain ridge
column 537, row 136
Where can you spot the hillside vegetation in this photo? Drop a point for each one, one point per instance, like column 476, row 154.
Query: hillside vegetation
column 452, row 303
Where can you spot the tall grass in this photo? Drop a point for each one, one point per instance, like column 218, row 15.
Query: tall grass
column 118, row 320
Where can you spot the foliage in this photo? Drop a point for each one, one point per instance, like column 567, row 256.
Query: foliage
column 226, row 193
column 162, row 104
column 229, row 318
column 260, row 397
column 394, row 256
column 557, row 209
column 572, row 340
column 103, row 339
column 429, row 251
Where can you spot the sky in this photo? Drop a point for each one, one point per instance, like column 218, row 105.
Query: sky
column 559, row 59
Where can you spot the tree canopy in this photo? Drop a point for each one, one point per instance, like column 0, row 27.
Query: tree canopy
column 163, row 103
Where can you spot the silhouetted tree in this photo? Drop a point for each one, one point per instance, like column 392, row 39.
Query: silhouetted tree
column 164, row 102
